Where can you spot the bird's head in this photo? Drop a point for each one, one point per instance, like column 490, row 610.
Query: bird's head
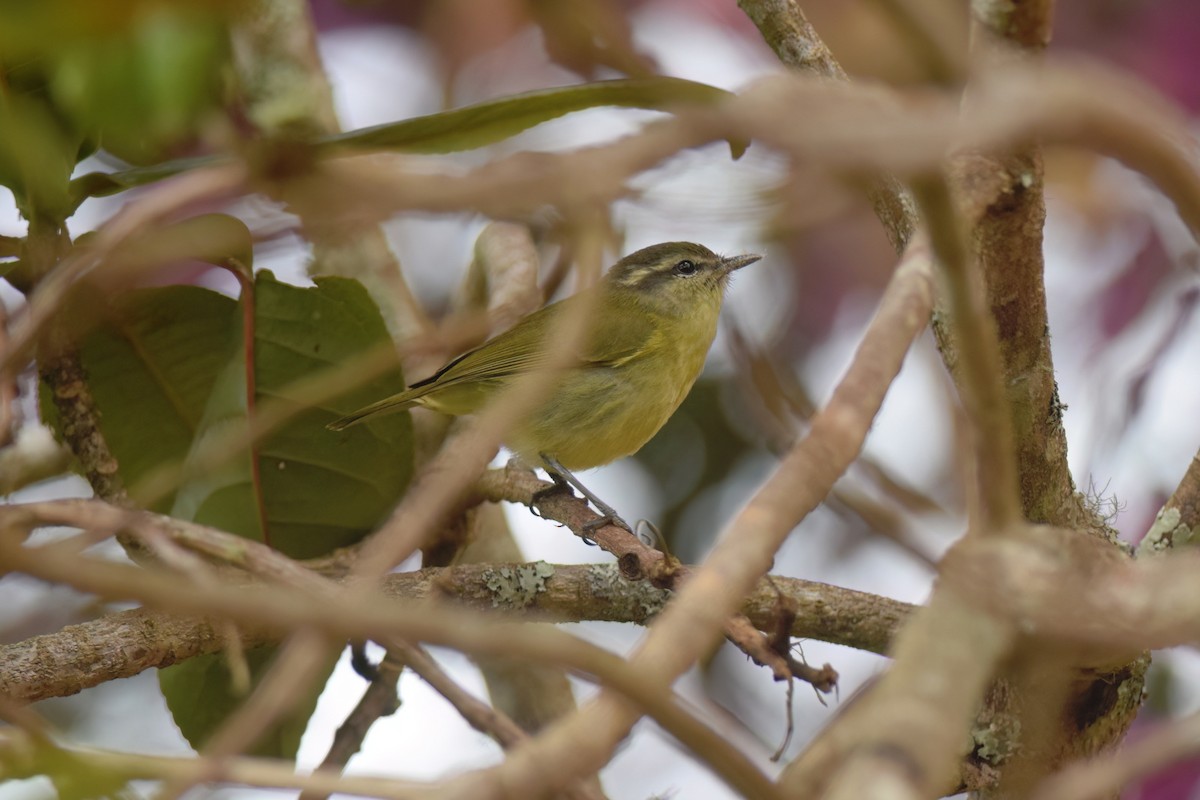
column 677, row 276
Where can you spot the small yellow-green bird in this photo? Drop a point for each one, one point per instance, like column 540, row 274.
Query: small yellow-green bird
column 654, row 318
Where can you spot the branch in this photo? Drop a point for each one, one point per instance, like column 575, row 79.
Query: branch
column 978, row 371
column 288, row 98
column 379, row 700
column 78, row 419
column 361, row 614
column 152, row 206
column 1178, row 521
column 27, row 757
column 638, row 561
column 125, row 643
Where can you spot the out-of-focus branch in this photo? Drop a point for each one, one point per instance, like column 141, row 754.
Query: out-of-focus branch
column 849, row 127
column 122, row 644
column 787, row 31
column 302, row 660
column 639, row 561
column 502, row 281
column 289, row 99
column 532, row 694
column 973, row 335
column 914, row 722
column 379, row 700
column 9, row 412
column 447, row 478
column 151, row 206
column 25, row 756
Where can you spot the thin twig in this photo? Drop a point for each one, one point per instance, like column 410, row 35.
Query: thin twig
column 379, row 700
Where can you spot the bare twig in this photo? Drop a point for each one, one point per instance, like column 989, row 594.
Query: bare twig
column 379, row 700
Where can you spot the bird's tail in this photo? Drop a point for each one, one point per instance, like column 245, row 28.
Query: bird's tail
column 388, row 405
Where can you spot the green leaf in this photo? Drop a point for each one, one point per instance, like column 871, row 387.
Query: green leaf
column 494, row 120
column 37, row 155
column 151, row 368
column 145, row 89
column 314, row 491
column 167, row 370
column 103, row 184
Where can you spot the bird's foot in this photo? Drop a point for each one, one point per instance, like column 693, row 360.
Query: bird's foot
column 564, row 479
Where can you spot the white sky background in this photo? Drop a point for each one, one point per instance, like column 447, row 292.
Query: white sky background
column 384, row 74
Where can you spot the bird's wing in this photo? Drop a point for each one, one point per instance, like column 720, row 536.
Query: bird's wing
column 613, row 340
column 517, row 350
column 617, row 339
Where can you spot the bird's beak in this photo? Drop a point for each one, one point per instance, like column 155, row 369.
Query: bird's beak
column 732, row 263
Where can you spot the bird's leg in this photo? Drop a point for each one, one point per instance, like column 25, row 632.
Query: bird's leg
column 563, row 478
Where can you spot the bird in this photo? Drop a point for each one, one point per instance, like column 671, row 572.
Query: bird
column 653, row 317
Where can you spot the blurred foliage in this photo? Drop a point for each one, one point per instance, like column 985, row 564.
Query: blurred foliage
column 139, row 79
column 145, row 92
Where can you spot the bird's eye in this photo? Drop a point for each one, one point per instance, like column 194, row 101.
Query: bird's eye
column 685, row 268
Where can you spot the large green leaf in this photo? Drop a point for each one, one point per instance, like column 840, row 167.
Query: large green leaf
column 151, row 368
column 494, row 120
column 458, row 129
column 314, row 490
column 167, row 370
